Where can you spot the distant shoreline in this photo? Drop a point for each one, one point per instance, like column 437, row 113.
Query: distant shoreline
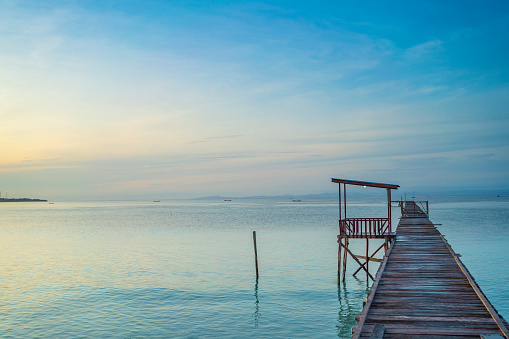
column 20, row 200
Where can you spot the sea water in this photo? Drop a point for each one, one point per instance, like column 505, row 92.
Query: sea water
column 185, row 269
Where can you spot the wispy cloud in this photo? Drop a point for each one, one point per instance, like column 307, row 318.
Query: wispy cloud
column 208, row 139
column 425, row 50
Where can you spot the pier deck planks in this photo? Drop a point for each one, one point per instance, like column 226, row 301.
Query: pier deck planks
column 421, row 290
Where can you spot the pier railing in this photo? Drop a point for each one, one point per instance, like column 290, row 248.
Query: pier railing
column 365, row 227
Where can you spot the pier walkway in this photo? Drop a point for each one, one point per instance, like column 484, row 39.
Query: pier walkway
column 423, row 290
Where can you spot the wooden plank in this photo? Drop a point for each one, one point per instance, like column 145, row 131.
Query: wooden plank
column 426, row 330
column 437, row 331
column 416, row 313
column 470, row 320
column 378, row 331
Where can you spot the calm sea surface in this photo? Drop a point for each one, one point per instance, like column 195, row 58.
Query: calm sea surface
column 185, row 269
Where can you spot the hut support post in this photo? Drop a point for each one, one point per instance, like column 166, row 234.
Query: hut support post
column 339, row 237
column 367, row 257
column 339, row 259
column 345, row 257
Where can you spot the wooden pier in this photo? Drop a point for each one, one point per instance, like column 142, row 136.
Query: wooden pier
column 423, row 290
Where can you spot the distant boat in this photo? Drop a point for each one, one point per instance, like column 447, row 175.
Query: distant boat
column 227, row 199
column 296, row 200
column 157, row 200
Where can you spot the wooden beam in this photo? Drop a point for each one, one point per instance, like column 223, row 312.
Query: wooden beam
column 369, row 258
column 365, row 183
column 357, row 260
column 372, row 255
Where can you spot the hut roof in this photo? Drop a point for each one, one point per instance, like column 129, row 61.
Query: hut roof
column 365, row 183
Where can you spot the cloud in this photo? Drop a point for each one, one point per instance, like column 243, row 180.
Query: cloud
column 208, row 139
column 424, row 51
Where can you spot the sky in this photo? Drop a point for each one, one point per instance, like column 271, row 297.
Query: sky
column 178, row 99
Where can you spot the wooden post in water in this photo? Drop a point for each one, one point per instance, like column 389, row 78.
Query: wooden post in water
column 256, row 254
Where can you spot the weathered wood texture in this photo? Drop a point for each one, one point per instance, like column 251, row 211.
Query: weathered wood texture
column 421, row 290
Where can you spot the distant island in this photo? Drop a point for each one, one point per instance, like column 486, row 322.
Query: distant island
column 19, row 199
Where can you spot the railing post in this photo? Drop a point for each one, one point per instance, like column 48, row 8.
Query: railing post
column 340, row 203
column 344, row 197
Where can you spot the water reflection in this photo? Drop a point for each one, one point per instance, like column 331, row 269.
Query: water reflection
column 257, row 305
column 351, row 293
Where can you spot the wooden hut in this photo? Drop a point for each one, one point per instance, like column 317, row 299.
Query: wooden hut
column 362, row 228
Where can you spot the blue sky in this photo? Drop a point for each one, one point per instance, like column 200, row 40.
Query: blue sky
column 142, row 99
